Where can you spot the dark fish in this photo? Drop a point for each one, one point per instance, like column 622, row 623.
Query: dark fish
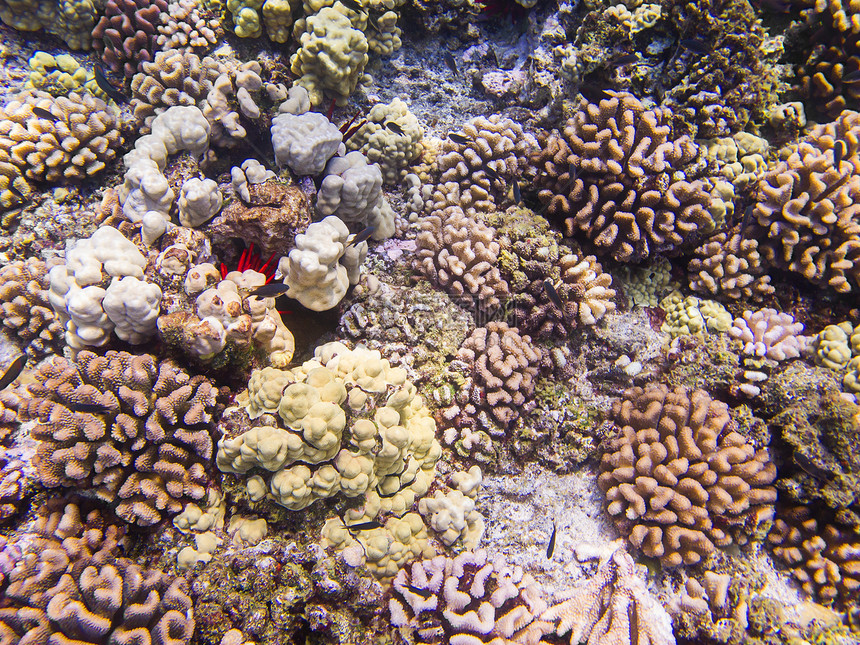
column 593, row 93
column 626, row 59
column 451, row 63
column 424, row 593
column 42, row 113
column 17, row 192
column 552, row 294
column 361, row 236
column 696, row 46
column 13, row 371
column 364, row 526
column 839, row 152
column 491, row 57
column 271, row 290
column 394, row 127
column 492, row 174
column 92, row 408
column 746, row 221
column 355, row 6
column 572, row 172
column 107, row 87
column 853, row 77
column 518, row 197
column 462, row 139
column 551, row 548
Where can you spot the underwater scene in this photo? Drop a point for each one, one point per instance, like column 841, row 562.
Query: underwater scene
column 445, row 322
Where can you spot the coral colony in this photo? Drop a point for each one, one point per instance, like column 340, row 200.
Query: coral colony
column 452, row 322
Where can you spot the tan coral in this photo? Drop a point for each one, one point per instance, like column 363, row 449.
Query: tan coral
column 26, row 310
column 183, row 26
column 807, row 208
column 76, row 145
column 132, row 429
column 71, row 585
column 729, row 264
column 488, row 164
column 679, row 479
column 635, row 188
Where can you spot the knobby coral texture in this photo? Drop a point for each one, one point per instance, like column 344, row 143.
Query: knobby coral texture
column 133, row 429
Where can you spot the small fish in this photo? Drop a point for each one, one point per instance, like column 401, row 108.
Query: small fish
column 107, row 87
column 492, row 174
column 361, row 236
column 364, row 526
column 451, row 63
column 424, row 593
column 14, row 190
column 518, row 196
column 552, row 294
column 839, row 152
column 551, row 548
column 695, row 45
column 491, row 57
column 572, row 172
column 394, row 127
column 853, row 77
column 271, row 290
column 42, row 113
column 354, row 5
column 462, row 139
column 13, row 371
column 92, row 408
column 593, row 93
column 746, row 221
column 627, row 59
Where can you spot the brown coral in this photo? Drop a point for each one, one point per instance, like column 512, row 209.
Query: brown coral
column 173, row 77
column 679, row 479
column 126, row 33
column 729, row 264
column 808, row 208
column 824, row 556
column 26, row 311
column 70, row 587
column 505, row 367
column 77, row 144
column 619, row 175
column 133, row 429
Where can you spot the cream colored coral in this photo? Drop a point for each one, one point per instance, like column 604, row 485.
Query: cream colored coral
column 381, row 144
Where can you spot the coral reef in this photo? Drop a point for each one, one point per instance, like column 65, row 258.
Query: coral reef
column 622, row 177
column 71, row 585
column 125, row 35
column 131, row 428
column 728, row 264
column 393, row 147
column 679, row 479
column 26, row 308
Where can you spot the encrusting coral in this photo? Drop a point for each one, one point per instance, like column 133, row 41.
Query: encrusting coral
column 621, row 176
column 679, row 479
column 70, row 585
column 77, row 143
column 806, row 207
column 471, row 598
column 131, row 428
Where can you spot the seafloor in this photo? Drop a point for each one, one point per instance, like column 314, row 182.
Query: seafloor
column 416, row 321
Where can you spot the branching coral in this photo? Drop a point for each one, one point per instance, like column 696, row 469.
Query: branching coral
column 807, row 208
column 184, row 27
column 729, row 264
column 70, row 586
column 77, row 143
column 71, row 20
column 679, row 479
column 621, row 176
column 467, row 599
column 125, row 35
column 25, row 307
column 133, row 429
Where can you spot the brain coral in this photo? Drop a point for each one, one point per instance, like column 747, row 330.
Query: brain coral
column 808, row 208
column 76, row 144
column 678, row 477
column 70, row 586
column 133, row 429
column 621, row 176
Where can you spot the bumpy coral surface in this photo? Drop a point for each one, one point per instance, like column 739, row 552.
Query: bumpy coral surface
column 131, row 428
column 71, row 586
column 76, row 143
column 26, row 310
column 619, row 175
column 468, row 599
column 807, row 208
column 125, row 35
column 729, row 264
column 679, row 479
